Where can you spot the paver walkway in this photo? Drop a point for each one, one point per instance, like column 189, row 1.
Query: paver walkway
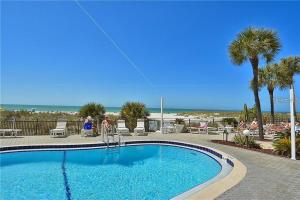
column 268, row 177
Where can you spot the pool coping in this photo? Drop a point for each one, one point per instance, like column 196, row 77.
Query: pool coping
column 208, row 190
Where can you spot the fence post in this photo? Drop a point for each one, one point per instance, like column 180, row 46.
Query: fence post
column 78, row 126
column 97, row 126
column 36, row 126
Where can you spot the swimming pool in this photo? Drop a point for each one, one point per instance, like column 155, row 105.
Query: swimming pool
column 149, row 171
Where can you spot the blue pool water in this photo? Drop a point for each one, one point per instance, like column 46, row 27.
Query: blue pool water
column 132, row 172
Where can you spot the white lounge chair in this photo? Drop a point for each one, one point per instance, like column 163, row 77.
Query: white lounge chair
column 153, row 126
column 140, row 128
column 12, row 132
column 203, row 128
column 297, row 129
column 253, row 133
column 87, row 132
column 168, row 127
column 60, row 130
column 121, row 128
column 229, row 129
column 220, row 130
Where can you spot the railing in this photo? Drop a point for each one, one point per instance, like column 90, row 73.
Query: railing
column 40, row 127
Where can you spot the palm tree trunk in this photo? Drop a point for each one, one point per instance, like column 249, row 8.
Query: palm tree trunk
column 254, row 63
column 294, row 102
column 272, row 105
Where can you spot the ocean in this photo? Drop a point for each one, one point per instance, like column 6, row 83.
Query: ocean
column 59, row 108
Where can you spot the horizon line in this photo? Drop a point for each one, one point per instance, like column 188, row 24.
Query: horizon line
column 196, row 109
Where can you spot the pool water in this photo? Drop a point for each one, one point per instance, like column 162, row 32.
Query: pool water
column 131, row 172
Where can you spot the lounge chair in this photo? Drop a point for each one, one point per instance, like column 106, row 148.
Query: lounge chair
column 253, row 132
column 60, row 130
column 220, row 130
column 168, row 127
column 229, row 129
column 179, row 128
column 12, row 132
column 140, row 128
column 153, row 126
column 203, row 128
column 121, row 128
column 297, row 129
column 87, row 132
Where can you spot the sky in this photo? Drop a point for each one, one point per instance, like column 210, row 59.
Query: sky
column 71, row 53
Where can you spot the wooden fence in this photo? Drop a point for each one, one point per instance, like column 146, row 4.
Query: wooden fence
column 37, row 127
column 40, row 127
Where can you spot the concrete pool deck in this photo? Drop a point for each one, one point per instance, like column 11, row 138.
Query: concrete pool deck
column 268, row 177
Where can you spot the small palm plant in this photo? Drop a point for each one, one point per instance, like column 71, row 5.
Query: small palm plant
column 288, row 68
column 268, row 78
column 92, row 109
column 253, row 44
column 131, row 111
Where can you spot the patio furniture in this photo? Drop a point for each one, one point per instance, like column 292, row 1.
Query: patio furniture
column 87, row 132
column 179, row 128
column 11, row 132
column 60, row 130
column 153, row 126
column 220, row 130
column 253, row 132
column 168, row 127
column 229, row 129
column 121, row 128
column 297, row 129
column 212, row 130
column 203, row 128
column 140, row 128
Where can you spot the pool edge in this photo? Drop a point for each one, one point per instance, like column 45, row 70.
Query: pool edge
column 211, row 191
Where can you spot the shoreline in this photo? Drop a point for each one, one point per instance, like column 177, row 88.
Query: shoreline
column 63, row 108
column 113, row 110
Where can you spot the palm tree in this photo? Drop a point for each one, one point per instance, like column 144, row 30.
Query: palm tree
column 288, row 68
column 92, row 109
column 131, row 111
column 253, row 44
column 268, row 78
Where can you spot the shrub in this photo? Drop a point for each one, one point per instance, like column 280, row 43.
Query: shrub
column 241, row 139
column 92, row 109
column 213, row 124
column 112, row 119
column 131, row 111
column 279, row 135
column 179, row 121
column 231, row 121
column 283, row 146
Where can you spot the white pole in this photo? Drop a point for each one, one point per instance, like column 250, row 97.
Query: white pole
column 162, row 115
column 293, row 134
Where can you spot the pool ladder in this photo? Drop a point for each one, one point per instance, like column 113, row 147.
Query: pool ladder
column 106, row 134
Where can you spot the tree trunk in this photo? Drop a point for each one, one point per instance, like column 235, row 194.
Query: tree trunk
column 295, row 114
column 272, row 106
column 254, row 63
